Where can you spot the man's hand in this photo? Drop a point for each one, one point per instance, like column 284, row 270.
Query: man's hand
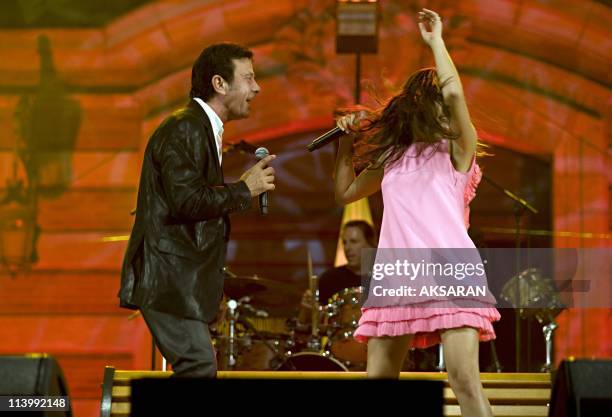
column 260, row 177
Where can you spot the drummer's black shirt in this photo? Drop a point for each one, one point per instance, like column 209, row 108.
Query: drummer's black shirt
column 335, row 280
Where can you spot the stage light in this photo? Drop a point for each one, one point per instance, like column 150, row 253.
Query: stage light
column 357, row 27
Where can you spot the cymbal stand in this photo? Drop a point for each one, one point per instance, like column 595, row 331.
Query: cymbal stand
column 314, row 343
column 232, row 307
column 495, row 365
column 548, row 330
column 290, row 345
column 441, row 366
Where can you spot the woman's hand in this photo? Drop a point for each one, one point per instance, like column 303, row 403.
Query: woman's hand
column 349, row 123
column 435, row 24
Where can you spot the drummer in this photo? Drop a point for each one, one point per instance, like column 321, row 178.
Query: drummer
column 356, row 236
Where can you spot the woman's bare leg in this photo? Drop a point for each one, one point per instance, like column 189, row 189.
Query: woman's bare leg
column 461, row 357
column 386, row 355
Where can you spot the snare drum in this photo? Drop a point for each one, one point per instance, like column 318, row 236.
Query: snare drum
column 311, row 361
column 344, row 311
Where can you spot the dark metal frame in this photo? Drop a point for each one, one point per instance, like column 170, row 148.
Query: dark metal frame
column 107, row 391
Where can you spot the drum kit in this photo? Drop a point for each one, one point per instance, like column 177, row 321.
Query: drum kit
column 253, row 333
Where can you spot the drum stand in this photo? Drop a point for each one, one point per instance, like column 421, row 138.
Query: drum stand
column 441, row 366
column 277, row 356
column 292, row 324
column 495, row 366
column 232, row 306
column 549, row 325
column 548, row 333
column 233, row 312
column 314, row 342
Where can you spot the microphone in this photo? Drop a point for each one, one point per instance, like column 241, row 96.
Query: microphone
column 261, row 153
column 325, row 138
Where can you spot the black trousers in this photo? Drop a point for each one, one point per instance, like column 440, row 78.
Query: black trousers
column 185, row 343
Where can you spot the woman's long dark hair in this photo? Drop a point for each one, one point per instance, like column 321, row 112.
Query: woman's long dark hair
column 414, row 116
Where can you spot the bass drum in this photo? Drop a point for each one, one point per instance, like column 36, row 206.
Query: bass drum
column 311, row 361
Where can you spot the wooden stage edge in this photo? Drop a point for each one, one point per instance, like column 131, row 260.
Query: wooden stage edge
column 536, row 378
column 510, row 394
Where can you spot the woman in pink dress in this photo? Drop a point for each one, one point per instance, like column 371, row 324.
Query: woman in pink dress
column 420, row 149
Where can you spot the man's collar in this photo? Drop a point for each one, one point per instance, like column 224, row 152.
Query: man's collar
column 215, row 120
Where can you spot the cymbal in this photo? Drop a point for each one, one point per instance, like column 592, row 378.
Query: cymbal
column 264, row 293
column 533, row 294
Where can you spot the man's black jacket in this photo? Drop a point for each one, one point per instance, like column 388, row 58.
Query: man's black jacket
column 176, row 253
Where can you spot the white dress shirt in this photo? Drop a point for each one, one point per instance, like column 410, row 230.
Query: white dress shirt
column 217, row 126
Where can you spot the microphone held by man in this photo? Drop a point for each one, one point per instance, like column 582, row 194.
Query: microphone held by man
column 261, row 153
column 260, row 178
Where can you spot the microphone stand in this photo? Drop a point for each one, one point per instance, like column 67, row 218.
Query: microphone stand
column 520, row 207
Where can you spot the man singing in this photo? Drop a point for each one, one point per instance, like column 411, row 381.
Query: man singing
column 173, row 266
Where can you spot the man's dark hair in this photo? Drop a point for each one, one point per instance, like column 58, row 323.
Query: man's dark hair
column 215, row 60
column 366, row 228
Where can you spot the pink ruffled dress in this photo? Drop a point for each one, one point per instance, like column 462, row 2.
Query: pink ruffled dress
column 426, row 205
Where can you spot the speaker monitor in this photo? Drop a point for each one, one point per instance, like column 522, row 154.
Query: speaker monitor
column 582, row 388
column 32, row 375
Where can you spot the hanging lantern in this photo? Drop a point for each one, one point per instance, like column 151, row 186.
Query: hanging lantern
column 48, row 122
column 18, row 228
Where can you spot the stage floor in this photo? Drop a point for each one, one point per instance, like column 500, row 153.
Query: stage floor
column 510, row 394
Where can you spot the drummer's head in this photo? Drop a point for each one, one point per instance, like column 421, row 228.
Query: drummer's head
column 357, row 235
